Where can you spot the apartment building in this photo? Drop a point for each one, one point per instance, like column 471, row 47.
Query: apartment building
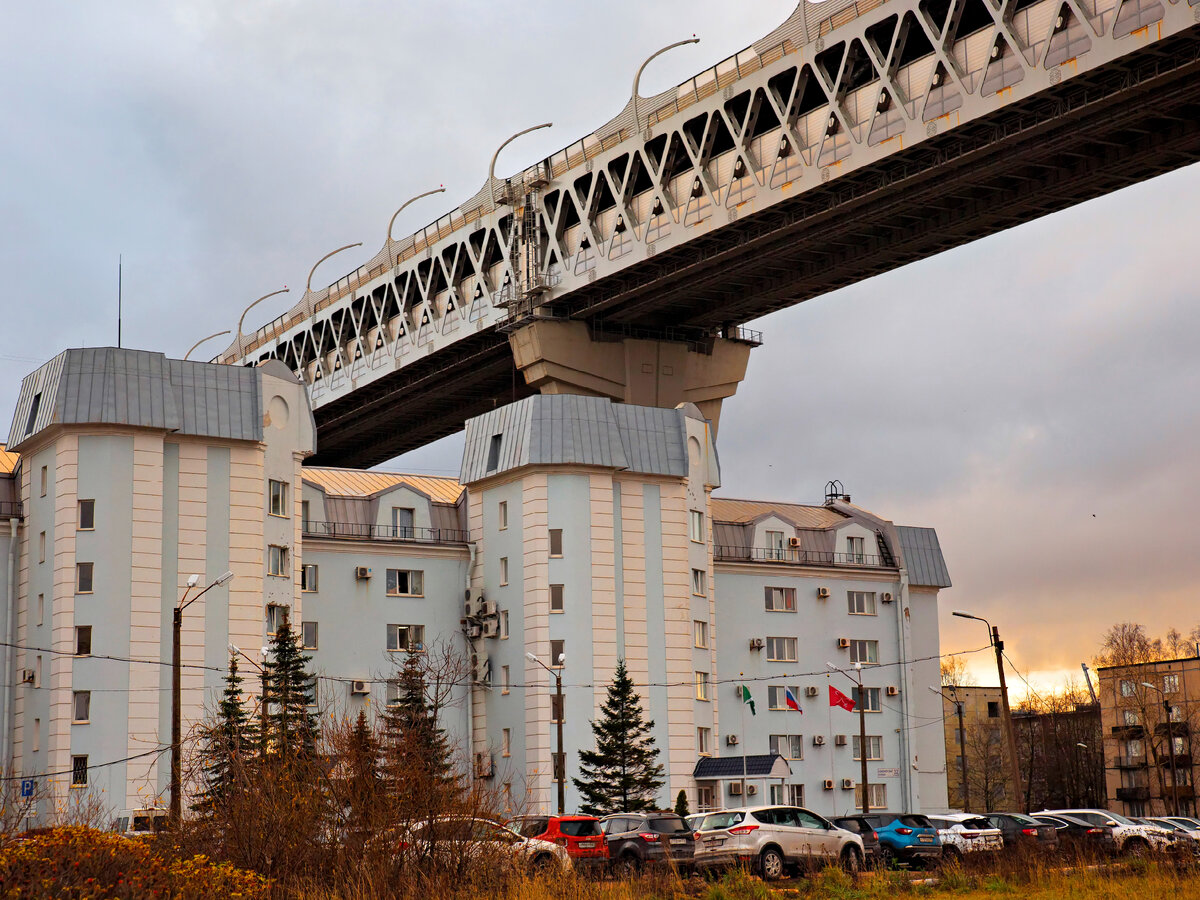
column 1150, row 711
column 980, row 743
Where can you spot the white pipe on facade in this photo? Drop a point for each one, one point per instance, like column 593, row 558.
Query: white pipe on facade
column 471, row 676
column 9, row 687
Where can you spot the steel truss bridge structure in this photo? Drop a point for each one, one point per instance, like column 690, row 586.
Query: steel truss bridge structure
column 855, row 138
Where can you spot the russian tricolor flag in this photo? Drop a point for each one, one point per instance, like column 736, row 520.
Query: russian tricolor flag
column 790, row 699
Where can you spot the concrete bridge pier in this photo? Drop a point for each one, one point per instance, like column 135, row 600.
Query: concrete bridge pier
column 567, row 357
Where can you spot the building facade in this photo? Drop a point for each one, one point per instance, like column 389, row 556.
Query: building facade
column 580, row 531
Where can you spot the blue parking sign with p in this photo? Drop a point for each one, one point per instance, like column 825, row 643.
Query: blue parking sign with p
column 27, row 787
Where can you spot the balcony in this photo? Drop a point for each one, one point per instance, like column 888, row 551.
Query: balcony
column 1130, row 762
column 1182, row 760
column 1128, row 732
column 1179, row 729
column 1133, row 794
column 11, row 509
column 348, row 531
column 796, row 557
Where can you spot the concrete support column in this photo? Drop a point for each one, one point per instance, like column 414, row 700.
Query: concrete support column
column 561, row 357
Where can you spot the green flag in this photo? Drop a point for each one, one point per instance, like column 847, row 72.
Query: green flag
column 744, row 694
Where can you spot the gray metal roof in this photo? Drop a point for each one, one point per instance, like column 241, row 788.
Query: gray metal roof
column 562, row 429
column 923, row 557
column 767, row 765
column 111, row 386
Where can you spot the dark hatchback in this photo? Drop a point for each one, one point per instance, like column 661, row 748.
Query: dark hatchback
column 1020, row 830
column 638, row 839
column 870, row 837
column 1076, row 835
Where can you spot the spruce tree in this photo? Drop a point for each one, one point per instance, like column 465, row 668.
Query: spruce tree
column 229, row 743
column 681, row 805
column 621, row 774
column 417, row 763
column 362, row 777
column 290, row 723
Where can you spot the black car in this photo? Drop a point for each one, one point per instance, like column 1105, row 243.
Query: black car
column 1020, row 830
column 635, row 839
column 1077, row 835
column 870, row 837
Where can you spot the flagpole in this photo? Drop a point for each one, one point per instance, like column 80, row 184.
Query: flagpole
column 742, row 713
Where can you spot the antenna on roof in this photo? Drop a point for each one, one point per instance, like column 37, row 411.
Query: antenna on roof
column 120, row 266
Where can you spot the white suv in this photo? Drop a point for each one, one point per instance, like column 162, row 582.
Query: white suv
column 1131, row 837
column 774, row 838
column 962, row 833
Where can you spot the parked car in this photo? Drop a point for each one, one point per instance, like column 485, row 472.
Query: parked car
column 1077, row 835
column 1020, row 830
column 694, row 820
column 450, row 840
column 582, row 836
column 637, row 839
column 141, row 822
column 1186, row 821
column 1130, row 837
column 872, row 849
column 906, row 838
column 775, row 839
column 1182, row 839
column 962, row 833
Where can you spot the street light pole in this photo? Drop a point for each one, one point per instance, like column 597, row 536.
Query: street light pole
column 862, row 732
column 560, row 760
column 1009, row 731
column 176, row 812
column 962, row 746
column 1170, row 747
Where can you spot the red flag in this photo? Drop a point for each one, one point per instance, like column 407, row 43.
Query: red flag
column 837, row 698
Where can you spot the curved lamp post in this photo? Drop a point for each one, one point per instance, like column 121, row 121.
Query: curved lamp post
column 496, row 155
column 202, row 340
column 637, row 79
column 312, row 271
column 405, row 204
column 560, row 762
column 242, row 319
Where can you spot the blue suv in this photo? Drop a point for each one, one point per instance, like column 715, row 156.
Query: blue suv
column 906, row 838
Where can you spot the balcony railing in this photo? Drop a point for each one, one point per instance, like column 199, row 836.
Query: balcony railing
column 11, row 509
column 348, row 531
column 797, row 557
column 1127, row 732
column 1133, row 794
column 1179, row 729
column 1131, row 762
column 1182, row 760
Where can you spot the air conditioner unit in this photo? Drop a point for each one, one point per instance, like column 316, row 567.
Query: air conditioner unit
column 735, row 788
column 751, row 790
column 756, row 643
column 469, row 610
column 362, row 573
column 483, row 765
column 827, row 784
column 490, row 628
column 359, row 687
column 819, row 740
column 847, row 784
column 840, row 740
column 793, row 542
column 892, row 690
column 473, row 630
column 482, row 667
column 822, row 593
column 731, row 740
column 27, row 676
column 843, row 643
column 811, row 691
column 887, row 597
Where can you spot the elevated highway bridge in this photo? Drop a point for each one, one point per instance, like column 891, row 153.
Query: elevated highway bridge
column 853, row 139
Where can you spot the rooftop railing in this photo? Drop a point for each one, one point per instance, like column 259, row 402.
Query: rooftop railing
column 350, row 531
column 11, row 509
column 798, row 557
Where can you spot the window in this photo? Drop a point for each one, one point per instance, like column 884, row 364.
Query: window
column 1131, row 717
column 780, row 599
column 309, row 632
column 795, row 794
column 1127, row 688
column 402, row 522
column 503, row 514
column 79, row 771
column 506, row 742
column 37, row 665
column 504, row 571
column 304, row 516
column 493, row 459
column 1134, row 748
column 993, row 707
column 42, row 547
column 504, row 679
column 774, row 545
column 393, row 693
column 789, row 746
column 865, row 652
column 876, row 795
column 777, row 696
column 504, row 625
column 277, row 492
column 696, row 526
column 556, row 598
column 41, row 619
column 410, row 638
column 32, row 420
column 854, row 549
column 700, row 634
column 1170, row 684
column 781, row 649
column 83, row 640
column 706, row 798
column 405, row 583
column 275, row 617
column 87, row 515
column 776, row 793
column 308, row 577
column 277, row 561
column 698, row 582
column 81, row 704
column 701, row 685
column 37, row 735
column 861, row 603
column 1175, row 714
column 556, row 542
column 45, row 479
column 1179, row 745
column 557, row 651
column 703, row 741
column 83, row 577
column 874, row 747
column 310, row 688
column 870, row 701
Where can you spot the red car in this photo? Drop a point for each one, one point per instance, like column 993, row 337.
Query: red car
column 581, row 835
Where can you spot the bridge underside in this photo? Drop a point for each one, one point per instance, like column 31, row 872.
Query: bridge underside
column 1093, row 134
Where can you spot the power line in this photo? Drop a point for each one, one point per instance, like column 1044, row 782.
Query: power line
column 104, row 765
column 126, row 659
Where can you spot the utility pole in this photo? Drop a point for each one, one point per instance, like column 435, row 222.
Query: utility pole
column 1170, row 747
column 862, row 741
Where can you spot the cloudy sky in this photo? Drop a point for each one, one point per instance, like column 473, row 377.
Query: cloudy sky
column 1033, row 396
